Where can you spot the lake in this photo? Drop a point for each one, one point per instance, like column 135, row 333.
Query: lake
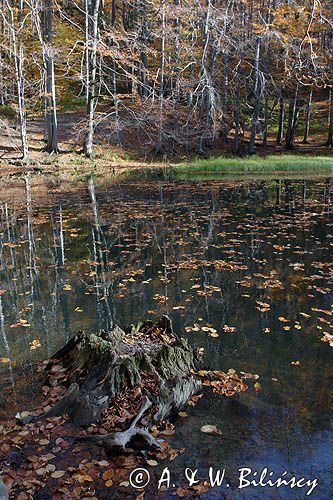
column 244, row 269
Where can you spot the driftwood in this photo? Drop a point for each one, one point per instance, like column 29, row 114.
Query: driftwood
column 121, row 439
column 101, row 366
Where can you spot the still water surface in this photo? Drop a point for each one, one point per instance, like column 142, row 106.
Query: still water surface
column 253, row 255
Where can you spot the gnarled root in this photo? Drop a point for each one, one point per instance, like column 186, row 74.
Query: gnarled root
column 121, row 439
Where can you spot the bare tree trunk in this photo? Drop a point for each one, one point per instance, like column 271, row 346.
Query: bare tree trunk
column 114, row 13
column 2, row 80
column 329, row 142
column 92, row 37
column 87, row 55
column 266, row 120
column 257, row 93
column 205, row 82
column 176, row 83
column 224, row 124
column 307, row 118
column 292, row 120
column 18, row 58
column 20, row 86
column 162, row 67
column 237, row 115
column 50, row 100
column 145, row 87
column 281, row 122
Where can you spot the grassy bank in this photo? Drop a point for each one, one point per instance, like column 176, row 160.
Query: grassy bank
column 259, row 164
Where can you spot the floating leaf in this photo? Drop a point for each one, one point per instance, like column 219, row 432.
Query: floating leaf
column 82, row 478
column 35, row 344
column 210, row 429
column 58, row 474
column 182, row 414
column 152, row 463
column 108, row 474
column 229, row 329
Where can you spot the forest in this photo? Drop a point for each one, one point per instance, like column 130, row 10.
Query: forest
column 165, row 79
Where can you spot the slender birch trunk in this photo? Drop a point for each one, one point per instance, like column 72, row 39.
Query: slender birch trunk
column 237, row 116
column 204, row 79
column 257, row 106
column 329, row 142
column 224, row 124
column 307, row 119
column 266, row 120
column 50, row 101
column 145, row 87
column 87, row 55
column 294, row 106
column 16, row 33
column 92, row 38
column 279, row 137
column 176, row 76
column 2, row 80
column 162, row 68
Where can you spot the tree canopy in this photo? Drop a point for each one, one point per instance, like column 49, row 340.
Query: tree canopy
column 188, row 74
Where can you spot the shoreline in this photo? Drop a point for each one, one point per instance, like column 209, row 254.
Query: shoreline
column 279, row 164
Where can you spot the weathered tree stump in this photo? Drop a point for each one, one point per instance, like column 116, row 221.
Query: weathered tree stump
column 99, row 367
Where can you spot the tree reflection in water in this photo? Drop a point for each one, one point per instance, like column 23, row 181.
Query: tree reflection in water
column 81, row 256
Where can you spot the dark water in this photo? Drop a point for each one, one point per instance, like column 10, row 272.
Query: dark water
column 254, row 255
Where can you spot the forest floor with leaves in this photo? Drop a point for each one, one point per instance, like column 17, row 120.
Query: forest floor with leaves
column 136, row 150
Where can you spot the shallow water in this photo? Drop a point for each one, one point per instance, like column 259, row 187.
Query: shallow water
column 254, row 255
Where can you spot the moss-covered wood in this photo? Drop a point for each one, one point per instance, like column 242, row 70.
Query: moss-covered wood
column 101, row 366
